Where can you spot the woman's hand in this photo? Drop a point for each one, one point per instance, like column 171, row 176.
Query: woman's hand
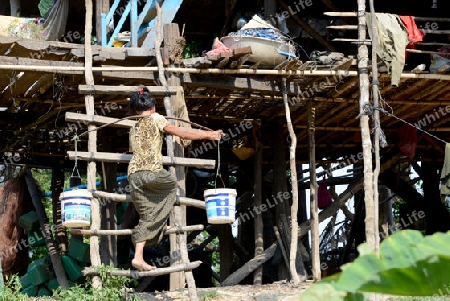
column 215, row 135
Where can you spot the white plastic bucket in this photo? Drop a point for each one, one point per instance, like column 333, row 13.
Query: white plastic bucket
column 76, row 208
column 220, row 205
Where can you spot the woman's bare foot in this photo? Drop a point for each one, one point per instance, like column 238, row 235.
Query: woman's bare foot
column 142, row 265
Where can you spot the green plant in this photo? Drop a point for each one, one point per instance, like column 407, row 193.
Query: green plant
column 209, row 296
column 112, row 289
column 409, row 264
column 11, row 290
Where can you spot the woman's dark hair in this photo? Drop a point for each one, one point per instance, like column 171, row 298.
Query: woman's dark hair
column 142, row 100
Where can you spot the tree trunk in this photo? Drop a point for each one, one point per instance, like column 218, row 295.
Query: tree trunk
column 45, row 227
column 57, row 188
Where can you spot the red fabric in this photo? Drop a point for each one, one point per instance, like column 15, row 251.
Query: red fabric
column 407, row 140
column 414, row 33
column 218, row 48
column 323, row 195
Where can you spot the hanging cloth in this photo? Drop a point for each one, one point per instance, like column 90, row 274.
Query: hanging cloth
column 445, row 173
column 415, row 35
column 55, row 24
column 407, row 140
column 324, row 198
column 391, row 42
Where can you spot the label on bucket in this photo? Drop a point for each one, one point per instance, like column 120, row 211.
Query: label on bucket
column 219, row 211
column 217, row 202
column 76, row 211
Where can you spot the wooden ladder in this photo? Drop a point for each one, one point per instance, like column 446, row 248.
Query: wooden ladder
column 94, row 156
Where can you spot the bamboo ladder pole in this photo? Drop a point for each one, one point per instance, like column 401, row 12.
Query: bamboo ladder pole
column 92, row 145
column 376, row 135
column 294, row 207
column 170, row 150
column 363, row 58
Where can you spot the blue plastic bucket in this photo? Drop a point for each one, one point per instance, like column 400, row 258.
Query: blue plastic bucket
column 220, row 205
column 76, row 208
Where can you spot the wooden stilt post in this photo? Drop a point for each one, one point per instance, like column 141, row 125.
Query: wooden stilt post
column 92, row 145
column 294, row 206
column 280, row 186
column 376, row 135
column 314, row 211
column 179, row 246
column 178, row 216
column 259, row 228
column 108, row 245
column 363, row 58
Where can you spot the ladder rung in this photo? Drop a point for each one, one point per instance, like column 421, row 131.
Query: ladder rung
column 125, row 158
column 95, row 232
column 117, row 197
column 137, row 274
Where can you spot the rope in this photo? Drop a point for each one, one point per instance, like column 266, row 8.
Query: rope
column 75, row 166
column 218, row 167
column 368, row 109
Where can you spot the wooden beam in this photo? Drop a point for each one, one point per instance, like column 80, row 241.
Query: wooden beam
column 114, row 90
column 351, row 190
column 136, row 274
column 250, row 266
column 125, row 158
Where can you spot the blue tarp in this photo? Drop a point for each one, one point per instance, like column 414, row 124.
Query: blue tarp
column 267, row 33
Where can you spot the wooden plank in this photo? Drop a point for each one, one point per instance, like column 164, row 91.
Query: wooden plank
column 354, row 14
column 5, row 60
column 97, row 119
column 136, row 274
column 108, row 90
column 125, row 158
column 250, row 266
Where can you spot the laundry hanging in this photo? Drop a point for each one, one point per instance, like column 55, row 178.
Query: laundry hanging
column 415, row 35
column 407, row 140
column 392, row 39
column 55, row 24
column 324, row 198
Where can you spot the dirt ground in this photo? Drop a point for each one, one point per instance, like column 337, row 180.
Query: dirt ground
column 278, row 291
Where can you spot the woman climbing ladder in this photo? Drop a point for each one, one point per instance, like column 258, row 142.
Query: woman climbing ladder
column 153, row 189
